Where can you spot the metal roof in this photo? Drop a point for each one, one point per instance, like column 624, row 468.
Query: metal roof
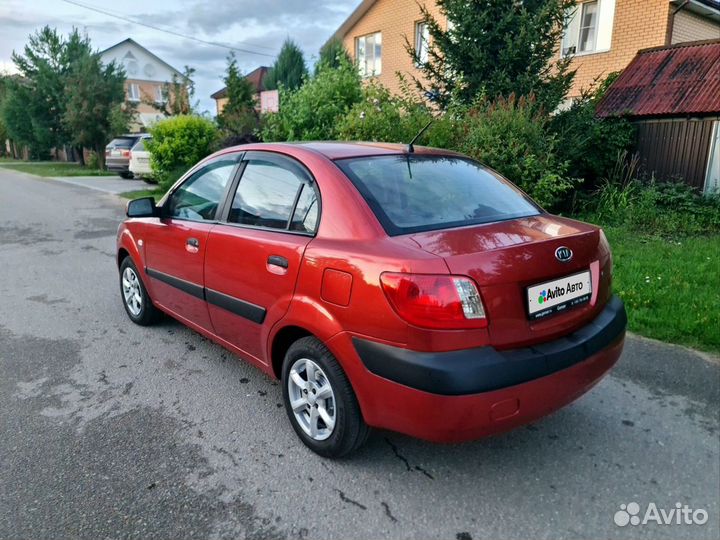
column 256, row 78
column 678, row 80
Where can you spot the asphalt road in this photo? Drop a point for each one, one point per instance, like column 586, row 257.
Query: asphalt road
column 110, row 430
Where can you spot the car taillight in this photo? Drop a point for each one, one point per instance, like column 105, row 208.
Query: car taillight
column 126, row 153
column 435, row 301
column 107, row 151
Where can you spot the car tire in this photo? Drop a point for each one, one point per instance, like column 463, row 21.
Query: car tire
column 135, row 298
column 349, row 431
column 127, row 175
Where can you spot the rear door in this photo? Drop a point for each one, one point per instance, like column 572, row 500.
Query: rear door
column 254, row 254
column 175, row 244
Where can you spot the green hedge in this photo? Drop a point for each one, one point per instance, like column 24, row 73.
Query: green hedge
column 177, row 144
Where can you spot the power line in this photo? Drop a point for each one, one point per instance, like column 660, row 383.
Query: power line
column 172, row 32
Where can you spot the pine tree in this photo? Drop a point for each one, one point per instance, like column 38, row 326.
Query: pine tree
column 289, row 69
column 495, row 48
column 238, row 117
column 95, row 98
column 331, row 55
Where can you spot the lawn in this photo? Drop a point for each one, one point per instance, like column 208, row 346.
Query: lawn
column 157, row 193
column 54, row 168
column 671, row 287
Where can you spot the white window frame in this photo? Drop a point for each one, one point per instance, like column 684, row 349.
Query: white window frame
column 133, row 92
column 422, row 41
column 369, row 65
column 160, row 96
column 570, row 42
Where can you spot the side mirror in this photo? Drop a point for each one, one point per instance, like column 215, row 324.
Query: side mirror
column 140, row 208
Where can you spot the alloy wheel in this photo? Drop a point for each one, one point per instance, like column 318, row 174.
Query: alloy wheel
column 312, row 399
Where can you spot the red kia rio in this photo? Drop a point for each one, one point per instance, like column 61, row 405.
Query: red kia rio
column 405, row 289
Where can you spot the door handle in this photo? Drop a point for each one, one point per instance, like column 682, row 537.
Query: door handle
column 277, row 260
column 192, row 245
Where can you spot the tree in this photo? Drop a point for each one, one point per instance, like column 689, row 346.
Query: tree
column 177, row 95
column 495, row 48
column 314, row 111
column 238, row 117
column 331, row 54
column 289, row 69
column 16, row 117
column 44, row 65
column 95, row 98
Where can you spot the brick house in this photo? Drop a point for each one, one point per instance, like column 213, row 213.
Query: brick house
column 603, row 35
column 146, row 75
column 256, row 78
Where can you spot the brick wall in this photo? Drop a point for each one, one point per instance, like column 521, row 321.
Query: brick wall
column 691, row 27
column 147, row 91
column 636, row 25
column 395, row 19
column 220, row 104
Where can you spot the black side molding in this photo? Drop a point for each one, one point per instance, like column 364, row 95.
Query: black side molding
column 234, row 305
column 185, row 286
column 484, row 369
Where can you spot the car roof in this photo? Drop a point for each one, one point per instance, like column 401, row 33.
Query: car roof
column 342, row 150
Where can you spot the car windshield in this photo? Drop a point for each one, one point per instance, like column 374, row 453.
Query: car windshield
column 412, row 193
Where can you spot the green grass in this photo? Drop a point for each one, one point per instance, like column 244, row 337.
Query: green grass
column 54, row 169
column 671, row 287
column 157, row 193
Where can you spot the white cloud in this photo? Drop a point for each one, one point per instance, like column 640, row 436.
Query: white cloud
column 252, row 25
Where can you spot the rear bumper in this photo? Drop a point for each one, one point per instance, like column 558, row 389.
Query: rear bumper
column 115, row 164
column 479, row 392
column 485, row 369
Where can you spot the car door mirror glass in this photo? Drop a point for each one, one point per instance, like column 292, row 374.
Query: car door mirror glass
column 144, row 207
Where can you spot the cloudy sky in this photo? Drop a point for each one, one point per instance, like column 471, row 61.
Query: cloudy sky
column 256, row 27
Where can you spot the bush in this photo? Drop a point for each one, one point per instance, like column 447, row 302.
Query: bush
column 591, row 145
column 381, row 116
column 668, row 209
column 177, row 144
column 314, row 110
column 512, row 136
column 92, row 161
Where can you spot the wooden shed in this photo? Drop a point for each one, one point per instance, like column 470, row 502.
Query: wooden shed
column 672, row 94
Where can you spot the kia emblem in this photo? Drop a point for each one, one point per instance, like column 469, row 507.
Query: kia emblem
column 563, row 254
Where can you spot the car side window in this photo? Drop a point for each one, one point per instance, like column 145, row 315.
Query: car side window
column 306, row 211
column 270, row 194
column 198, row 197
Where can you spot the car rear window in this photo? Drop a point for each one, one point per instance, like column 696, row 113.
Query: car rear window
column 412, row 193
column 140, row 145
column 123, row 142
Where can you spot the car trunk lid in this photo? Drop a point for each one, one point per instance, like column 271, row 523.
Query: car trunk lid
column 505, row 258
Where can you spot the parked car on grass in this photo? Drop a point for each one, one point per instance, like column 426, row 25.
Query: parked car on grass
column 140, row 160
column 415, row 291
column 117, row 154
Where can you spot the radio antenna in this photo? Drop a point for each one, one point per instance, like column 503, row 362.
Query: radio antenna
column 410, row 148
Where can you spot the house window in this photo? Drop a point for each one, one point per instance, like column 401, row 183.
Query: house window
column 133, row 92
column 368, row 51
column 160, row 96
column 581, row 33
column 422, row 38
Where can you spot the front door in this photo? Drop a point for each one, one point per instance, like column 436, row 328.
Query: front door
column 175, row 245
column 254, row 254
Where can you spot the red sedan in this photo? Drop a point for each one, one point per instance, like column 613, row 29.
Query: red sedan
column 387, row 287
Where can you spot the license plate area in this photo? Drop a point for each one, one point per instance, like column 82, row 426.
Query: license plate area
column 559, row 295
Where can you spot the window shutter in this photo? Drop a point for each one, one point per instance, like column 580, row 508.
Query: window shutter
column 605, row 25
